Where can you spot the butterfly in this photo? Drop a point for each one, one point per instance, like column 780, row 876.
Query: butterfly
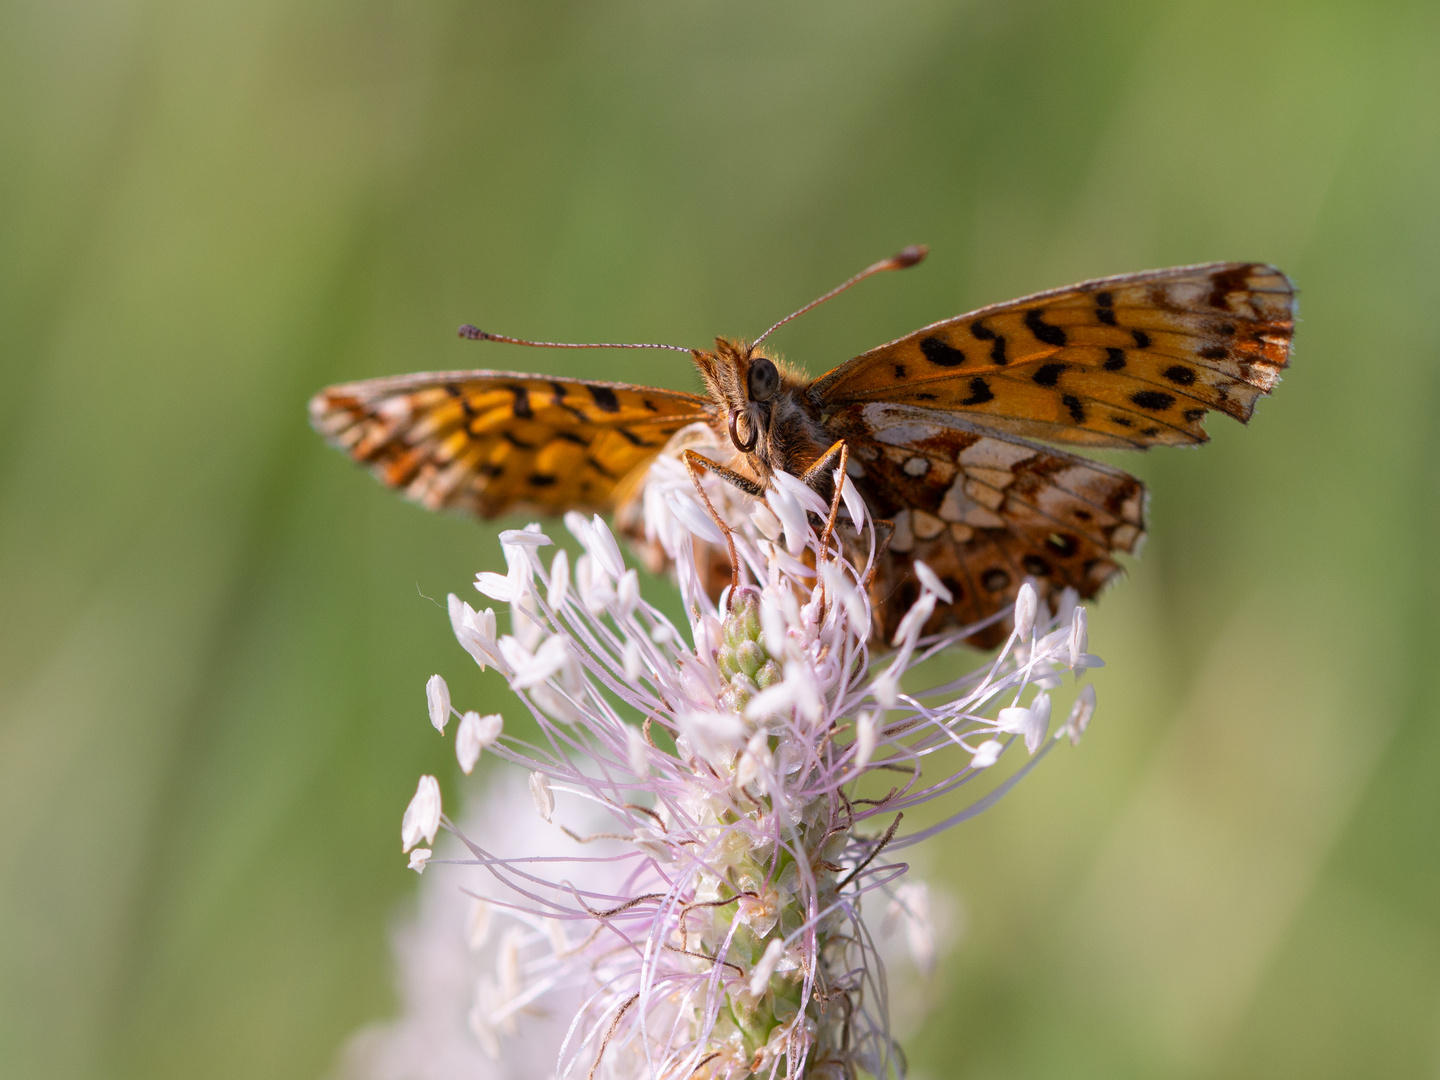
column 948, row 432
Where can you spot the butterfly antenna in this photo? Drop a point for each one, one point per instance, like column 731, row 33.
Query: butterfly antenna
column 907, row 258
column 475, row 334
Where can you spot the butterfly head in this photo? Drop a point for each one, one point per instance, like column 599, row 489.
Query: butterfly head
column 757, row 398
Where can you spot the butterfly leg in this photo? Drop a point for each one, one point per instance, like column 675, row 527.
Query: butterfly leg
column 694, row 464
column 841, row 452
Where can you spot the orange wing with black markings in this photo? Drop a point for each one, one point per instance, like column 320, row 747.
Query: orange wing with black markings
column 1129, row 361
column 492, row 442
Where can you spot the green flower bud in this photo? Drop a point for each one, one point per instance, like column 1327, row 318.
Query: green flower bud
column 749, row 657
column 768, row 675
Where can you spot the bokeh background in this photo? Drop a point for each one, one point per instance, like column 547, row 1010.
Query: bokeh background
column 214, row 633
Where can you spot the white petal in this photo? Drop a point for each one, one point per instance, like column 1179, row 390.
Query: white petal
column 853, row 502
column 559, row 580
column 478, row 922
column 475, row 734
column 1080, row 714
column 772, row 626
column 808, row 698
column 886, row 689
column 549, row 659
column 792, row 517
column 696, row 519
column 528, row 537
column 541, row 793
column 634, row 661
column 437, row 700
column 864, row 739
column 1079, row 636
column 913, row 898
column 915, row 619
column 604, row 548
column 761, row 972
column 422, row 816
column 986, row 754
column 627, row 596
column 931, row 580
column 1039, row 721
column 637, row 751
column 1013, row 720
column 713, row 735
column 754, row 760
column 497, row 587
column 418, row 858
column 1026, row 604
column 765, row 521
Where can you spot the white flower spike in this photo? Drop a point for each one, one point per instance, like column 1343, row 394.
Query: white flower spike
column 700, row 910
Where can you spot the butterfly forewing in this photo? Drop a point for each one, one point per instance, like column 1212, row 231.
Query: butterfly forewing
column 490, row 442
column 1129, row 361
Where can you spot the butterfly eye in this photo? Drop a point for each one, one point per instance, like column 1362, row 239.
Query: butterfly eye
column 762, row 380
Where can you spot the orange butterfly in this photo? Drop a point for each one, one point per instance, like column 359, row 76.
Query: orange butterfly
column 937, row 429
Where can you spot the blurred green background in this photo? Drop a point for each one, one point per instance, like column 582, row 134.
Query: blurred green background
column 216, row 632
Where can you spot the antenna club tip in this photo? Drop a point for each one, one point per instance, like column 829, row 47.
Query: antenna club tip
column 473, row 333
column 910, row 256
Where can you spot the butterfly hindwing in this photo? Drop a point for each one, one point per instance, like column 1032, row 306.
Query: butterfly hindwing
column 986, row 512
column 1128, row 361
column 490, row 442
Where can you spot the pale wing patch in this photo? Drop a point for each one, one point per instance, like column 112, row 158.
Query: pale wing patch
column 987, row 513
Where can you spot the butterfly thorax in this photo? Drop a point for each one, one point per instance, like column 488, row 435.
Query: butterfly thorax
column 762, row 408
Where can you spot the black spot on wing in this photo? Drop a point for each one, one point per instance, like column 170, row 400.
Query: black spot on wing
column 522, row 402
column 1193, row 415
column 997, row 346
column 1142, row 339
column 1050, row 335
column 1077, row 410
column 542, row 479
column 632, row 438
column 1104, row 307
column 1048, row 374
column 1180, row 375
column 517, row 442
column 1114, row 359
column 1035, row 565
column 900, row 371
column 1215, row 352
column 1153, row 400
column 1062, row 544
column 995, row 579
column 605, row 398
column 940, row 353
column 979, row 392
